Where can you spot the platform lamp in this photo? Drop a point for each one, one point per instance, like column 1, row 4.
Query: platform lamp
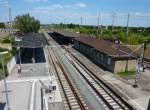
column 5, row 84
column 18, row 39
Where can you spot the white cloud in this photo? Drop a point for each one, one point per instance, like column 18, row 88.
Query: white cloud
column 52, row 7
column 40, row 11
column 56, row 6
column 4, row 3
column 47, row 9
column 137, row 13
column 81, row 5
column 35, row 0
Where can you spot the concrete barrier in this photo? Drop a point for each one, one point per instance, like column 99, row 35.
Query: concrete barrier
column 148, row 108
column 12, row 63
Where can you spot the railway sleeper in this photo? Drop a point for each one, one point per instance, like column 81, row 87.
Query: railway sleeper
column 70, row 95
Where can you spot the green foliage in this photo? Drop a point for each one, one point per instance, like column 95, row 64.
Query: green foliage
column 6, row 40
column 133, row 40
column 1, row 71
column 14, row 50
column 2, row 50
column 27, row 24
column 107, row 33
column 2, row 25
column 137, row 35
column 6, row 58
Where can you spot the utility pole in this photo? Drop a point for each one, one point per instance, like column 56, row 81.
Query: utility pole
column 113, row 20
column 10, row 22
column 98, row 22
column 140, row 65
column 65, row 23
column 81, row 22
column 127, row 28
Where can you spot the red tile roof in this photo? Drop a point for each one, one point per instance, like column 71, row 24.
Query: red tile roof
column 105, row 46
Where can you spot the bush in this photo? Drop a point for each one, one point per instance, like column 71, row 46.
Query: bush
column 13, row 51
column 6, row 40
column 1, row 71
column 2, row 50
column 133, row 40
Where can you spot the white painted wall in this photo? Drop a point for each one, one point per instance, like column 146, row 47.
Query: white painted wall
column 12, row 63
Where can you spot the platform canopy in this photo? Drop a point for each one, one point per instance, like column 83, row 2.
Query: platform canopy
column 66, row 33
column 30, row 40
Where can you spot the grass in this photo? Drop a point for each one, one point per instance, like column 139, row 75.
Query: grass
column 1, row 72
column 126, row 73
column 7, row 57
column 135, row 47
column 1, row 75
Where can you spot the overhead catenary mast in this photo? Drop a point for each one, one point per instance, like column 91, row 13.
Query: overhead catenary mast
column 127, row 27
column 113, row 20
column 9, row 22
column 98, row 20
column 81, row 20
column 81, row 23
column 98, row 23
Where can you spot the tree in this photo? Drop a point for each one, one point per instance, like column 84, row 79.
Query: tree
column 27, row 24
column 2, row 25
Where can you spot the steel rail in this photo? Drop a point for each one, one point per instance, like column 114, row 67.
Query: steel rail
column 101, row 81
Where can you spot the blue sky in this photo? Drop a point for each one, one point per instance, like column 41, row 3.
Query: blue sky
column 67, row 11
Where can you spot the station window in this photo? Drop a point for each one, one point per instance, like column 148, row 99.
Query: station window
column 102, row 57
column 97, row 55
column 109, row 61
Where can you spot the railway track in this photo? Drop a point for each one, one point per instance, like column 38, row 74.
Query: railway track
column 72, row 97
column 105, row 94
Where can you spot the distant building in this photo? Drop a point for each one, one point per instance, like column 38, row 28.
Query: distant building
column 63, row 37
column 6, row 31
column 107, row 54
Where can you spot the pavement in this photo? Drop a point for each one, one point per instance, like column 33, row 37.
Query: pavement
column 25, row 93
column 24, row 89
column 18, row 93
column 53, row 99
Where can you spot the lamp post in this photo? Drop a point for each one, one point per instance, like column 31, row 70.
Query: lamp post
column 5, row 84
column 19, row 40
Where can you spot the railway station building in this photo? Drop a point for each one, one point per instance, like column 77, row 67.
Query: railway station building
column 31, row 46
column 63, row 37
column 109, row 55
